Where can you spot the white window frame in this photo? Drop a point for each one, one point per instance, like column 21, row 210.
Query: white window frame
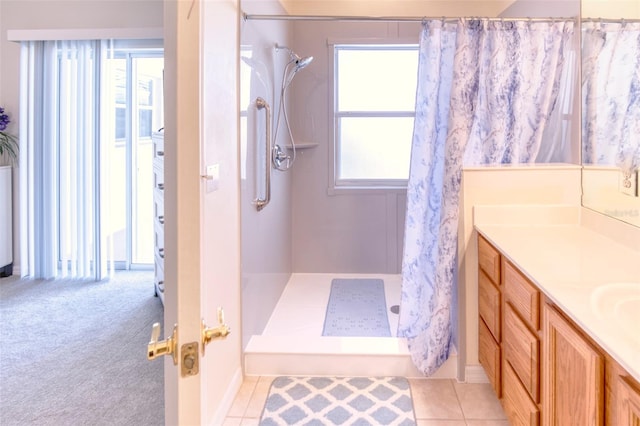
column 354, row 186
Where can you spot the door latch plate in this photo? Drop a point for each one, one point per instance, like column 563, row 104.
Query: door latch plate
column 190, row 364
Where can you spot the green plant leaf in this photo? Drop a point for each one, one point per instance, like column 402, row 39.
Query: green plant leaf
column 8, row 145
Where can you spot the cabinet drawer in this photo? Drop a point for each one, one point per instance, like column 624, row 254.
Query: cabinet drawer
column 158, row 178
column 516, row 402
column 489, row 355
column 489, row 259
column 521, row 349
column 158, row 145
column 158, row 209
column 158, row 235
column 489, row 304
column 159, row 276
column 522, row 295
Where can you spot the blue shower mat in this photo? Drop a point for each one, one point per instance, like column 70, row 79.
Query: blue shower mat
column 356, row 308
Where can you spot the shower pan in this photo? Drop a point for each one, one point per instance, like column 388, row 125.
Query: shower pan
column 292, row 342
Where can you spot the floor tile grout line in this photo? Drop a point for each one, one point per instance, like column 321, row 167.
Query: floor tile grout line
column 464, row 416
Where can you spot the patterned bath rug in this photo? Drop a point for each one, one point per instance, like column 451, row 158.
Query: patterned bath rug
column 357, row 308
column 347, row 401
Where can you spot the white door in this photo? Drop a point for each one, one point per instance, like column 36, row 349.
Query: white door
column 202, row 227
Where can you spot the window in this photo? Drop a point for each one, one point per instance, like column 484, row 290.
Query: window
column 136, row 82
column 373, row 113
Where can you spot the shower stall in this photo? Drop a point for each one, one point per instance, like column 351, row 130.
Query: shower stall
column 310, row 233
column 321, row 223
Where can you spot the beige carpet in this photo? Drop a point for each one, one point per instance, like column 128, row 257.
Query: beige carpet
column 74, row 353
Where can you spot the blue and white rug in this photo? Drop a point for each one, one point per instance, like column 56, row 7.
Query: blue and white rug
column 347, row 401
column 357, row 308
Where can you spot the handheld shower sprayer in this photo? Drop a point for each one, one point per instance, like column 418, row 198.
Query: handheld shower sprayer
column 281, row 160
column 299, row 62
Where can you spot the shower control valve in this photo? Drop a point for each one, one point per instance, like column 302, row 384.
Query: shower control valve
column 279, row 156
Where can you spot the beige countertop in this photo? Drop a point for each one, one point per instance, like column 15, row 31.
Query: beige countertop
column 593, row 279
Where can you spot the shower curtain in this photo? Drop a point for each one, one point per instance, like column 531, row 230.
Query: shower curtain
column 485, row 91
column 611, row 94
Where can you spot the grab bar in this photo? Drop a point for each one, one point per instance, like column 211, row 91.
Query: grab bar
column 261, row 203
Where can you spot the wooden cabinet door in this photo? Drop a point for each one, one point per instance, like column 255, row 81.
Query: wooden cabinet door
column 628, row 404
column 573, row 375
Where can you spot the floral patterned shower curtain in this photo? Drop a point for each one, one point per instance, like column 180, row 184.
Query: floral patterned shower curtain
column 485, row 91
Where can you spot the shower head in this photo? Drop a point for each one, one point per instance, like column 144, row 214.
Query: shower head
column 295, row 58
column 303, row 62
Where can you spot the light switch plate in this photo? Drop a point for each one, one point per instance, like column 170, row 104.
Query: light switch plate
column 213, row 177
column 629, row 185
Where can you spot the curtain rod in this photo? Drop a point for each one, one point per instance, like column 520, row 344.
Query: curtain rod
column 610, row 20
column 385, row 18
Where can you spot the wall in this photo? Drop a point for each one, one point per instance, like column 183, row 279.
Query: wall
column 116, row 15
column 613, row 9
column 361, row 232
column 220, row 217
column 266, row 234
column 534, row 185
column 349, row 232
column 602, row 193
column 396, row 7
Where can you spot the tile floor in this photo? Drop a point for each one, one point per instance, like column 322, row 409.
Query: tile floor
column 436, row 403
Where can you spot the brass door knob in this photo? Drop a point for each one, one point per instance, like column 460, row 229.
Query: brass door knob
column 157, row 348
column 221, row 331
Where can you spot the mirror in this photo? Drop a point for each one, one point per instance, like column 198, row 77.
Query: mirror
column 611, row 108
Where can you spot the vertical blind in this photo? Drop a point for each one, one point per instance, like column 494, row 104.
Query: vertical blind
column 64, row 135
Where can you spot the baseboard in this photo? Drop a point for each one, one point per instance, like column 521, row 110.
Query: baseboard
column 229, row 397
column 475, row 374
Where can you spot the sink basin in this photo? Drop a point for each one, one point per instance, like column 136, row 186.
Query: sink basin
column 619, row 302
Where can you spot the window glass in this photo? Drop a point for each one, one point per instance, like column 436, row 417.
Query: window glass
column 375, row 147
column 145, row 117
column 121, row 123
column 374, row 109
column 377, row 78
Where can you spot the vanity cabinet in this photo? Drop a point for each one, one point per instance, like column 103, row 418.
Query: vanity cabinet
column 489, row 323
column 543, row 367
column 509, row 344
